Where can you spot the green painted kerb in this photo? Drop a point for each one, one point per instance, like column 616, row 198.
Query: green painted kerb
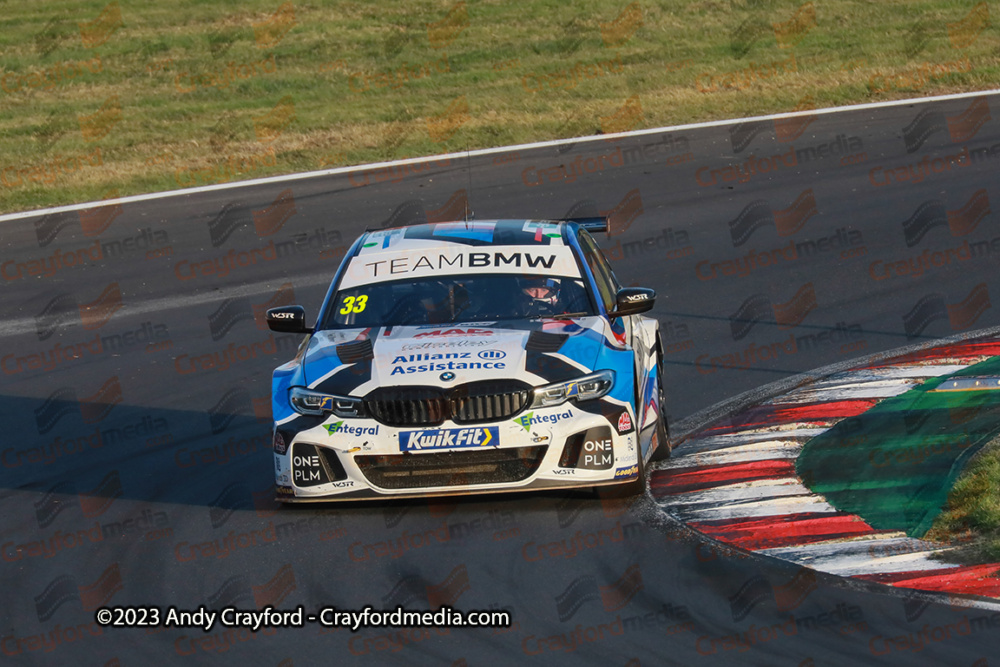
column 895, row 464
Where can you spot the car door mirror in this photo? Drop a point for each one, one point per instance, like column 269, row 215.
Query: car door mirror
column 287, row 319
column 633, row 300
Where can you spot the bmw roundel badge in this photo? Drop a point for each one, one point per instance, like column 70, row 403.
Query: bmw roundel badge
column 447, row 376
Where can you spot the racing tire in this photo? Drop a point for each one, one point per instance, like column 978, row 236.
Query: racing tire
column 663, row 447
column 635, row 487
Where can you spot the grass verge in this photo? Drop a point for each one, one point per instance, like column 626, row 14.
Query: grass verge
column 971, row 518
column 101, row 99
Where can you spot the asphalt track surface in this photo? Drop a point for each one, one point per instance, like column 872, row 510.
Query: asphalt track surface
column 135, row 461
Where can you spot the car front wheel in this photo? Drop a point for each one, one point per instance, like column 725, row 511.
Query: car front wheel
column 662, row 447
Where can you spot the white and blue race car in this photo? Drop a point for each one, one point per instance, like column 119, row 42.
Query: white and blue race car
column 469, row 357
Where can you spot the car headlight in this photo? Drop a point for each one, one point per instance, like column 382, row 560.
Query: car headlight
column 307, row 402
column 584, row 388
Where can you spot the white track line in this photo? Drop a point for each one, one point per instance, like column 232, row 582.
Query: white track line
column 775, row 507
column 133, row 308
column 758, row 451
column 900, row 372
column 742, row 492
column 847, row 392
column 488, row 151
column 866, row 555
column 713, row 442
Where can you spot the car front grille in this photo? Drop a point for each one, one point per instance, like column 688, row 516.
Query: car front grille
column 472, row 403
column 453, row 468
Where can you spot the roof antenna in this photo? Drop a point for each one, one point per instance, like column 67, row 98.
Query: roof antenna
column 468, row 171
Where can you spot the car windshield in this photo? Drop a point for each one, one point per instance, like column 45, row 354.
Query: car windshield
column 483, row 297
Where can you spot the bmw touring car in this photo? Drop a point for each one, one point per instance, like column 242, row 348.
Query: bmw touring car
column 467, row 357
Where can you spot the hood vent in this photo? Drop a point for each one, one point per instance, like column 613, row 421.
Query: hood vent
column 355, row 351
column 540, row 341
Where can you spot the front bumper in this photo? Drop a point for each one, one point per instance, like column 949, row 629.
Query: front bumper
column 560, row 447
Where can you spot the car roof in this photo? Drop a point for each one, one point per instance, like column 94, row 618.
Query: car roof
column 465, row 233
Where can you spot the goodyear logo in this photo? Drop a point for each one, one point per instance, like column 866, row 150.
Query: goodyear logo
column 631, row 471
column 449, row 438
column 529, row 419
column 341, row 427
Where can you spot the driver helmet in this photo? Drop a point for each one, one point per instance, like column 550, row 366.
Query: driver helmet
column 541, row 291
column 435, row 300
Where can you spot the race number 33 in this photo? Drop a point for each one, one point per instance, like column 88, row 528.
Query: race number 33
column 354, row 304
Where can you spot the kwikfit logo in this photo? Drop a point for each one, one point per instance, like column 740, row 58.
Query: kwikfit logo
column 528, row 420
column 454, row 438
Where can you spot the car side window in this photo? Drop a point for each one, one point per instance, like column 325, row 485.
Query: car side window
column 607, row 285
